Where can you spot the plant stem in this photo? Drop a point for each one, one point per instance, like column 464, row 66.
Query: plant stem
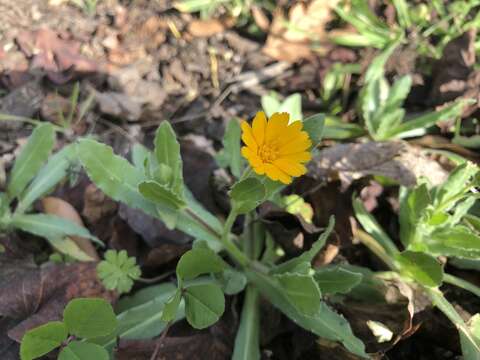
column 463, row 284
column 231, row 248
column 374, row 247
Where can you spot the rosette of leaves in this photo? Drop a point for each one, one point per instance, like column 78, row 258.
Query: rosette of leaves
column 118, row 271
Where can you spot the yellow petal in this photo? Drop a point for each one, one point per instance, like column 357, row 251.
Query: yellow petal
column 295, row 126
column 251, row 156
column 275, row 173
column 299, row 157
column 297, row 145
column 259, row 127
column 260, row 170
column 277, row 126
column 290, row 167
column 247, row 136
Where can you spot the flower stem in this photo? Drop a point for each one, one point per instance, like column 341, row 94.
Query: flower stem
column 375, row 247
column 231, row 248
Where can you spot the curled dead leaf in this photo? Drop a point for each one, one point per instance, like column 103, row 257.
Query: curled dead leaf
column 61, row 208
column 395, row 160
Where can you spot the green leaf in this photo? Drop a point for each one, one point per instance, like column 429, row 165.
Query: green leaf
column 204, row 304
column 43, row 339
column 372, row 227
column 50, row 175
column 161, row 195
column 68, row 247
column 141, row 315
column 309, row 255
column 30, row 160
column 199, row 261
column 457, row 183
column 167, row 152
column 428, row 120
column 171, row 306
column 420, row 267
column 232, row 281
column 302, row 291
column 325, row 323
column 270, row 103
column 230, row 155
column 89, row 317
column 50, row 226
column 114, row 175
column 413, row 204
column 338, row 130
column 457, row 241
column 315, row 125
column 467, row 338
column 469, row 350
column 247, row 340
column 118, row 271
column 336, row 279
column 77, row 350
column 140, row 154
column 247, row 195
column 293, row 106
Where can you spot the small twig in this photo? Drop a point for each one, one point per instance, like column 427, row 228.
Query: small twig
column 156, row 279
column 160, row 341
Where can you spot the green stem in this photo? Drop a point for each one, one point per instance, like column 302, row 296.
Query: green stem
column 375, row 247
column 246, row 173
column 231, row 248
column 450, row 279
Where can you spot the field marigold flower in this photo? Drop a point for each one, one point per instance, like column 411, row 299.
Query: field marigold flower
column 276, row 148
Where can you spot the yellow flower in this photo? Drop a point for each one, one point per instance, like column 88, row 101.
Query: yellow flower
column 276, row 148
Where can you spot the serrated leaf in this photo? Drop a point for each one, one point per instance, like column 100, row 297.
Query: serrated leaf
column 49, row 176
column 89, row 317
column 43, row 339
column 114, row 175
column 301, row 290
column 77, row 350
column 171, row 306
column 161, row 195
column 247, row 194
column 336, row 280
column 420, row 267
column 204, row 304
column 118, row 271
column 50, row 226
column 325, row 322
column 199, row 261
column 32, row 157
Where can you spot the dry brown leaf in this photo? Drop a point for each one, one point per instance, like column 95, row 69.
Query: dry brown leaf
column 395, row 160
column 205, row 28
column 35, row 295
column 58, row 207
column 291, row 39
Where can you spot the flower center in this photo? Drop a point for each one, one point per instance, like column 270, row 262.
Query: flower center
column 268, row 152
